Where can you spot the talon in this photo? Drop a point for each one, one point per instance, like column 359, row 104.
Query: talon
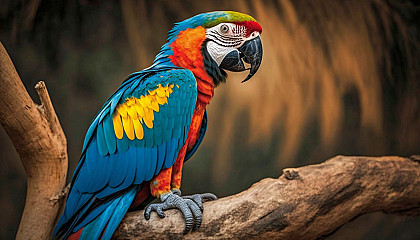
column 156, row 207
column 208, row 197
column 196, row 212
column 147, row 213
column 160, row 213
column 190, row 206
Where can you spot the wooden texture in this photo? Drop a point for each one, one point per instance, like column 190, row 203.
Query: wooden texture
column 308, row 202
column 41, row 144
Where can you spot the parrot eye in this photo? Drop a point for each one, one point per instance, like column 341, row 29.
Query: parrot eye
column 224, row 28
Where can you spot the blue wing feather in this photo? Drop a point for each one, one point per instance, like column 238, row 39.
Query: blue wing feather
column 122, row 144
column 120, row 168
column 111, row 141
column 109, row 166
column 103, row 148
column 148, row 137
column 171, row 153
column 161, row 157
column 130, row 173
column 141, row 167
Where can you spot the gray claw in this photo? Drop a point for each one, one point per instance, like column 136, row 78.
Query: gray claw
column 190, row 206
column 187, row 206
column 154, row 207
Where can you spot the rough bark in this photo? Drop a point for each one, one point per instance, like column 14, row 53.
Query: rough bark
column 42, row 147
column 309, row 202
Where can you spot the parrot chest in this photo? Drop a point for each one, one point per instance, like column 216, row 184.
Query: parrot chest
column 187, row 54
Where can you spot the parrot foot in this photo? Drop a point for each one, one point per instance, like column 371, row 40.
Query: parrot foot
column 190, row 206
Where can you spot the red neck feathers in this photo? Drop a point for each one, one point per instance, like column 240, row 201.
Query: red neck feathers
column 187, row 54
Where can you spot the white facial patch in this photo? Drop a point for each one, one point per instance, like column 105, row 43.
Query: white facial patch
column 218, row 52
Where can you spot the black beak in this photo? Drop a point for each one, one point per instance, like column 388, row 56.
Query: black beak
column 251, row 52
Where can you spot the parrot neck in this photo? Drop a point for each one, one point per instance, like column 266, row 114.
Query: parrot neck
column 187, row 53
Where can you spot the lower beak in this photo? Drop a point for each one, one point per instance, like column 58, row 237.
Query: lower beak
column 251, row 52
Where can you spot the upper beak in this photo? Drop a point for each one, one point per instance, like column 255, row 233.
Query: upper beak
column 251, row 52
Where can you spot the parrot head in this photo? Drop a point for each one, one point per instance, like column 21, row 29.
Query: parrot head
column 209, row 43
column 233, row 39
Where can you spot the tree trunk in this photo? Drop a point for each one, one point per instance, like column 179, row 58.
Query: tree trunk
column 41, row 144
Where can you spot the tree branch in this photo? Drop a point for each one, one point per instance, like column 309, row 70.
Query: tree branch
column 48, row 110
column 41, row 144
column 303, row 203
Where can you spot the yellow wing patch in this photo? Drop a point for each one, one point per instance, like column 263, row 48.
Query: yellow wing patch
column 132, row 115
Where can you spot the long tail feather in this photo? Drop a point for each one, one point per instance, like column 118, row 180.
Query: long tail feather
column 105, row 224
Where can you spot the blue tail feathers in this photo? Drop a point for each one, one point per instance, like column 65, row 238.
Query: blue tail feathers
column 105, row 220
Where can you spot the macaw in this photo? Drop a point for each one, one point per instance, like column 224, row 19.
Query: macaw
column 137, row 143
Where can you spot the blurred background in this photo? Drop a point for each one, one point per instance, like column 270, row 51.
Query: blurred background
column 338, row 77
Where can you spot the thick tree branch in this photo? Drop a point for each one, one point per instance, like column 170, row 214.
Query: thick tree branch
column 303, row 203
column 41, row 145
